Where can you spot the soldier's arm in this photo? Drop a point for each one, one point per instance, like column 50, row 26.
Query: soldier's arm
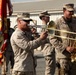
column 23, row 42
column 57, row 44
column 57, row 41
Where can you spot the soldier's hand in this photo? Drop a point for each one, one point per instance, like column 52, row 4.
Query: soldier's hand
column 43, row 35
column 70, row 49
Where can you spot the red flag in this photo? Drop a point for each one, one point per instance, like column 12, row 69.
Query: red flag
column 3, row 27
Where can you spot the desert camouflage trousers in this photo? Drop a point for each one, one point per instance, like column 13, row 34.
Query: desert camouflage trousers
column 50, row 65
column 66, row 67
column 22, row 73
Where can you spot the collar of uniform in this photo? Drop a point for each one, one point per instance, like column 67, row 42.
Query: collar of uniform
column 63, row 21
column 20, row 30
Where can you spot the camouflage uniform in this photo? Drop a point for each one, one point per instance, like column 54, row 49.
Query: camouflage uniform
column 63, row 57
column 49, row 55
column 48, row 51
column 23, row 47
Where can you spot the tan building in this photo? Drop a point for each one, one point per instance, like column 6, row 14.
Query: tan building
column 34, row 8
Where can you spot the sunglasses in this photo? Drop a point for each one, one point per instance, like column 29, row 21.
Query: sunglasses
column 26, row 20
